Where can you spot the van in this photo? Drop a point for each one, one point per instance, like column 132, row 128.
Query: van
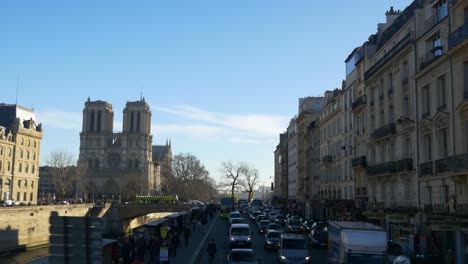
column 293, row 249
column 240, row 236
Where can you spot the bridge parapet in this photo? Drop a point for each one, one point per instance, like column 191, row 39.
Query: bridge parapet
column 129, row 211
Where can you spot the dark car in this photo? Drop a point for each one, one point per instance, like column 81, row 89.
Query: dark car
column 307, row 226
column 260, row 218
column 272, row 239
column 318, row 235
column 263, row 226
column 294, row 226
column 253, row 215
column 280, row 219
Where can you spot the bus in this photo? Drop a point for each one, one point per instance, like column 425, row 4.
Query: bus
column 227, row 205
column 146, row 199
column 257, row 203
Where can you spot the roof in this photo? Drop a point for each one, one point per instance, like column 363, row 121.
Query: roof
column 292, row 236
column 241, row 250
column 9, row 112
column 274, row 231
column 240, row 226
column 159, row 151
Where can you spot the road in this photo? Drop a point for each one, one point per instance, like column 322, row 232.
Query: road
column 220, row 234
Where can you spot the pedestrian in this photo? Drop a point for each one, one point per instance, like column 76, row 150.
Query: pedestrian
column 187, row 234
column 155, row 249
column 204, row 221
column 175, row 244
column 125, row 251
column 194, row 224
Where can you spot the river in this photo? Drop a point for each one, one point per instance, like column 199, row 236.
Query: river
column 24, row 257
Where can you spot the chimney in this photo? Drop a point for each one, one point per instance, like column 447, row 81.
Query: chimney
column 391, row 15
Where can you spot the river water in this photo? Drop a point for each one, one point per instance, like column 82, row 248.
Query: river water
column 24, row 257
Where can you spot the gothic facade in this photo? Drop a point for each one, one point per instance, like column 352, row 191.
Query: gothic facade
column 118, row 163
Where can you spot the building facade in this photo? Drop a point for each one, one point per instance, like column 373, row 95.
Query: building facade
column 292, row 159
column 162, row 164
column 117, row 162
column 20, row 141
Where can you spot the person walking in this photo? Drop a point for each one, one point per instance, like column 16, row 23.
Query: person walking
column 187, row 234
column 211, row 249
column 204, row 222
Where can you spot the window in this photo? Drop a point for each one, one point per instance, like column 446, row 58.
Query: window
column 390, row 114
column 20, row 169
column 1, row 150
column 32, row 184
column 21, row 154
column 382, row 154
column 138, row 122
column 405, row 107
column 382, row 118
column 25, row 183
column 426, row 103
column 35, row 144
column 18, row 196
column 33, row 169
column 444, row 194
column 21, row 141
column 465, row 80
column 29, row 142
column 96, row 163
column 407, row 148
column 19, row 184
column 8, row 166
column 427, row 147
column 34, row 156
column 31, row 197
column 9, row 152
column 436, row 47
column 391, row 152
column 91, row 122
column 441, row 91
column 26, row 168
column 90, row 163
column 132, row 120
column 404, row 72
column 25, row 196
column 27, row 154
column 381, row 89
column 1, row 165
column 390, row 83
column 443, row 152
column 441, row 9
column 99, row 121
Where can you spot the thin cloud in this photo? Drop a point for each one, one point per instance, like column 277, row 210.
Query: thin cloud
column 60, row 119
column 253, row 125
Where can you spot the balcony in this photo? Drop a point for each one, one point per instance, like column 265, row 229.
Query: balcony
column 426, row 169
column 435, row 19
column 384, row 131
column 404, row 42
column 382, row 168
column 359, row 162
column 430, row 57
column 458, row 36
column 361, row 101
column 452, row 163
column 327, row 159
column 404, row 164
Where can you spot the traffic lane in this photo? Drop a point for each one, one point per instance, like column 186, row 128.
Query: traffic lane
column 220, row 235
column 267, row 255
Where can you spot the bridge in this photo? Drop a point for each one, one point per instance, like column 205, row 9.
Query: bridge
column 131, row 211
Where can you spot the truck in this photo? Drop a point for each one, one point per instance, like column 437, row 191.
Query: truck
column 356, row 243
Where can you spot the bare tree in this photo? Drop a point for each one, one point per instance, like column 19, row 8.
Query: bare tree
column 233, row 175
column 250, row 180
column 190, row 179
column 64, row 172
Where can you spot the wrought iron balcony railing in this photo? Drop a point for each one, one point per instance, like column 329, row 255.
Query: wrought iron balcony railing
column 361, row 101
column 452, row 163
column 327, row 159
column 435, row 19
column 359, row 162
column 382, row 168
column 426, row 169
column 384, row 131
column 458, row 36
column 430, row 57
column 405, row 164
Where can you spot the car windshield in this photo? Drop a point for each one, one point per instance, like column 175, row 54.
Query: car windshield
column 274, row 226
column 240, row 232
column 238, row 221
column 294, row 244
column 320, row 226
column 242, row 256
column 274, row 235
column 294, row 222
column 366, row 259
column 235, row 215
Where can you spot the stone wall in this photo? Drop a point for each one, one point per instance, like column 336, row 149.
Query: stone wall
column 24, row 227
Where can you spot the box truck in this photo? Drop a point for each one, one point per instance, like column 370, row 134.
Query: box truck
column 356, row 243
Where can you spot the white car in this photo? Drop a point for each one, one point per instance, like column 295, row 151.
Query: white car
column 237, row 221
column 234, row 214
column 242, row 256
column 7, row 203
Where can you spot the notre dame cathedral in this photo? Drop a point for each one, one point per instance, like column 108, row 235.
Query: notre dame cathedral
column 121, row 164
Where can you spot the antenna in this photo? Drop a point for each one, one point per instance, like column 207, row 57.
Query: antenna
column 141, row 92
column 17, row 88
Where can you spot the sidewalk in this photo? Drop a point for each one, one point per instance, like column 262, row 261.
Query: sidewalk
column 186, row 253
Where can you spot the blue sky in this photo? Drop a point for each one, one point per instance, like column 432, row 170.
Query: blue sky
column 223, row 78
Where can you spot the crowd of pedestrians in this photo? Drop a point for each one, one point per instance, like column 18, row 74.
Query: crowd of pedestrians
column 139, row 249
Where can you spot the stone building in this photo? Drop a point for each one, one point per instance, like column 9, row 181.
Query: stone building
column 20, row 141
column 281, row 167
column 292, row 159
column 119, row 162
column 162, row 160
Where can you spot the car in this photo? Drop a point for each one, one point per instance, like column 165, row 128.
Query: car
column 263, row 226
column 253, row 215
column 260, row 218
column 275, row 227
column 237, row 221
column 397, row 249
column 240, row 236
column 272, row 216
column 234, row 214
column 16, row 203
column 318, row 236
column 7, row 203
column 307, row 226
column 293, row 249
column 272, row 239
column 246, row 210
column 293, row 226
column 242, row 256
column 280, row 219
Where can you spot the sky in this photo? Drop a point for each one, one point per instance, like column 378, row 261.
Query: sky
column 222, row 78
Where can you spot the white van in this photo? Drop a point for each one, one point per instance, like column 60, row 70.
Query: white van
column 293, row 249
column 240, row 236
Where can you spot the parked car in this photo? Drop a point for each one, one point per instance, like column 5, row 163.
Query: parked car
column 7, row 203
column 242, row 256
column 272, row 239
